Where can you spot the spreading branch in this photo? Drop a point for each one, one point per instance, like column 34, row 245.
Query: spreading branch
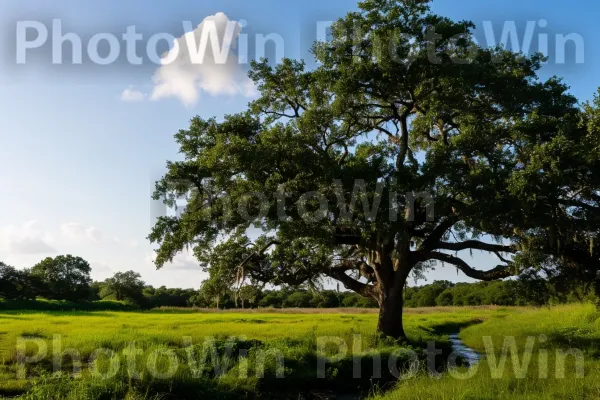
column 433, row 240
column 476, row 245
column 350, row 283
column 499, row 272
column 258, row 254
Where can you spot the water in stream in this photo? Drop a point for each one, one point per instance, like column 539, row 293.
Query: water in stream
column 458, row 346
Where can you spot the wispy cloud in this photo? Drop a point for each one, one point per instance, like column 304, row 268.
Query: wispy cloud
column 131, row 95
column 28, row 239
column 78, row 232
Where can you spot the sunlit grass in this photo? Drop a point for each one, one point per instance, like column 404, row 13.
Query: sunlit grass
column 294, row 333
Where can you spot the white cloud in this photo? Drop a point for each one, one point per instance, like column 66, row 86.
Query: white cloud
column 29, row 239
column 131, row 95
column 79, row 232
column 30, row 245
column 184, row 74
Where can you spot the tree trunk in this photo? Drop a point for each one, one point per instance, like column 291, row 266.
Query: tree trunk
column 390, row 319
column 391, row 305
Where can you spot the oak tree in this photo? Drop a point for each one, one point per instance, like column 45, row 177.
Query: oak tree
column 395, row 153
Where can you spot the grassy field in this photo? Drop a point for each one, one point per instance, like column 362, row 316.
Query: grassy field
column 171, row 354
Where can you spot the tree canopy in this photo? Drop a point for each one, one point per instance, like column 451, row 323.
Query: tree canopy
column 123, row 285
column 66, row 277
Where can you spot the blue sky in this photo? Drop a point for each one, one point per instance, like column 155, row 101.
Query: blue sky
column 80, row 145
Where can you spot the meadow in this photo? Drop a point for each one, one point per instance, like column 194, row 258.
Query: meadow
column 189, row 354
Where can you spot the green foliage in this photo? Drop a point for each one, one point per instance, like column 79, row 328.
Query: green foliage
column 63, row 305
column 298, row 300
column 129, row 292
column 558, row 182
column 168, row 297
column 63, row 283
column 19, row 284
column 215, row 290
column 528, row 290
column 272, row 299
column 391, row 114
column 123, row 286
column 66, row 277
column 426, row 296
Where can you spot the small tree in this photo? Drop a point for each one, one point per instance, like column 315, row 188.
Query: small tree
column 249, row 294
column 67, row 277
column 214, row 290
column 124, row 286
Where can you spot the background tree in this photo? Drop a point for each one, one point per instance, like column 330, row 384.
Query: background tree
column 326, row 299
column 299, row 299
column 406, row 115
column 124, row 286
column 272, row 299
column 67, row 277
column 170, row 297
column 19, row 284
column 214, row 291
column 427, row 296
column 249, row 295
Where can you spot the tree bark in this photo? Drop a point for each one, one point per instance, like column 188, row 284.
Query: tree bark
column 391, row 305
column 390, row 318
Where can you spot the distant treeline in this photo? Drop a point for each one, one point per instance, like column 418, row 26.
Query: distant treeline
column 438, row 293
column 64, row 282
column 502, row 293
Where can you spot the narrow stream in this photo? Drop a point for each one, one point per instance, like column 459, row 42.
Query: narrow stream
column 467, row 353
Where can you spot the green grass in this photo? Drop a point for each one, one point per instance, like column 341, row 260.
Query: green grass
column 295, row 334
column 548, row 331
